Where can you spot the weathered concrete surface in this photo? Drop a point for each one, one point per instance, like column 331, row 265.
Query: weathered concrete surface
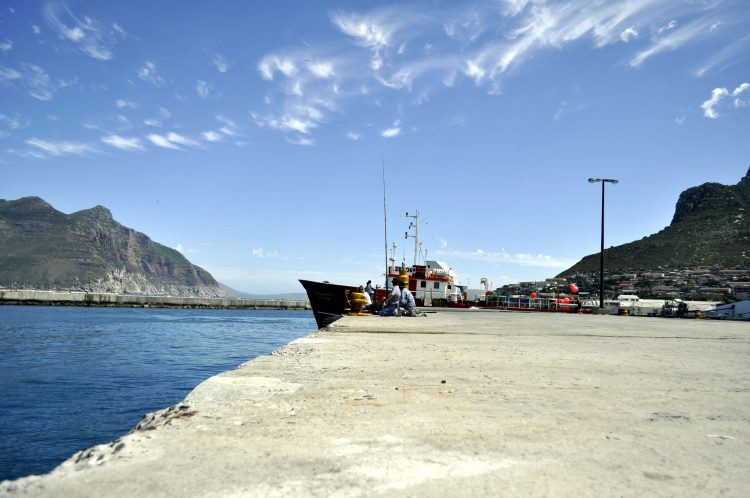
column 454, row 404
column 65, row 298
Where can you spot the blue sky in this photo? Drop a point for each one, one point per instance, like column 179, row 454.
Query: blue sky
column 251, row 136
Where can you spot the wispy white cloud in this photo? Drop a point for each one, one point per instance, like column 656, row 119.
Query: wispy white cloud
column 154, row 122
column 566, row 108
column 666, row 27
column 286, row 123
column 123, row 143
column 10, row 124
column 628, row 34
column 306, row 141
column 36, row 29
column 221, row 63
column 172, row 140
column 123, row 122
column 124, row 104
column 394, row 49
column 393, row 131
column 162, row 141
column 148, row 73
column 201, row 87
column 375, row 30
column 212, row 136
column 119, row 30
column 27, row 153
column 718, row 95
column 86, row 33
column 30, row 78
column 261, row 253
column 228, row 128
column 353, row 136
column 323, row 70
column 726, row 56
column 674, row 40
column 182, row 140
column 272, row 64
column 502, row 256
column 185, row 250
column 6, row 46
column 60, row 148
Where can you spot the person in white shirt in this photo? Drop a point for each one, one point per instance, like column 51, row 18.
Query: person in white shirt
column 369, row 290
column 391, row 306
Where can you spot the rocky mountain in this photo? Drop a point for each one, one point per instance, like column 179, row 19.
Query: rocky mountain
column 710, row 227
column 42, row 248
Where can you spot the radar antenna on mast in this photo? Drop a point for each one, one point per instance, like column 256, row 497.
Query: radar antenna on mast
column 415, row 225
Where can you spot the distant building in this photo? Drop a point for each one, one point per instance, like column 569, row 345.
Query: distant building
column 739, row 309
column 740, row 290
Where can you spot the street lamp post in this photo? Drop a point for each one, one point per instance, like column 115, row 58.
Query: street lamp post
column 601, row 252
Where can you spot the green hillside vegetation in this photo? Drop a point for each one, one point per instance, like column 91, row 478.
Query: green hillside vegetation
column 710, row 228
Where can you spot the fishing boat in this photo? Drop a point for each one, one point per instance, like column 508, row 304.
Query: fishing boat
column 430, row 284
column 328, row 301
column 433, row 284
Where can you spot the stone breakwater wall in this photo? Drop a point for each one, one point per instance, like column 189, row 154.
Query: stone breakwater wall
column 56, row 298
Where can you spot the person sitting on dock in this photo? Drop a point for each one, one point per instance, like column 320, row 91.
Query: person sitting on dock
column 407, row 300
column 391, row 306
column 369, row 290
column 368, row 305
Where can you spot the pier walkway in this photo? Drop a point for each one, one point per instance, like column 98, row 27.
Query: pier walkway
column 463, row 403
column 105, row 299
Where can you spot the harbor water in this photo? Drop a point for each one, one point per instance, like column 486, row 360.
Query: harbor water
column 73, row 377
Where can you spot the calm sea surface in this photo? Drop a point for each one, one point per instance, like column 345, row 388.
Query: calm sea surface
column 71, row 378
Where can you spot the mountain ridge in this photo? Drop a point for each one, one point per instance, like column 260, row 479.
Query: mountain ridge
column 45, row 249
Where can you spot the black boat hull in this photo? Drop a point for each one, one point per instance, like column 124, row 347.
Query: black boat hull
column 329, row 302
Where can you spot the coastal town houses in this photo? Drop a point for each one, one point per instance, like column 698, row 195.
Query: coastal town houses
column 718, row 284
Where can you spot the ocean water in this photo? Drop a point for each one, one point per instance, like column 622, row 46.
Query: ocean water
column 71, row 378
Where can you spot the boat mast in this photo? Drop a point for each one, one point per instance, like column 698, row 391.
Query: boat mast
column 415, row 226
column 385, row 223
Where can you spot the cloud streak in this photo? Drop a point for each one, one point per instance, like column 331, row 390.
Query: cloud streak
column 124, row 143
column 148, row 73
column 60, row 148
column 86, row 33
column 394, row 49
column 261, row 253
column 30, row 78
column 503, row 257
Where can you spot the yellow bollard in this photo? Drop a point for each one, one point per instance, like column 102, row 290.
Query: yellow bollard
column 358, row 303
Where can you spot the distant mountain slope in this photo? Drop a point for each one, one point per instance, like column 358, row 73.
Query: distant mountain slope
column 289, row 296
column 710, row 227
column 42, row 248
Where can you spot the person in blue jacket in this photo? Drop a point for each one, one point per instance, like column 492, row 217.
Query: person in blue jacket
column 407, row 301
column 394, row 300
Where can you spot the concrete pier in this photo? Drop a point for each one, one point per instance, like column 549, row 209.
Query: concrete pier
column 58, row 298
column 470, row 403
